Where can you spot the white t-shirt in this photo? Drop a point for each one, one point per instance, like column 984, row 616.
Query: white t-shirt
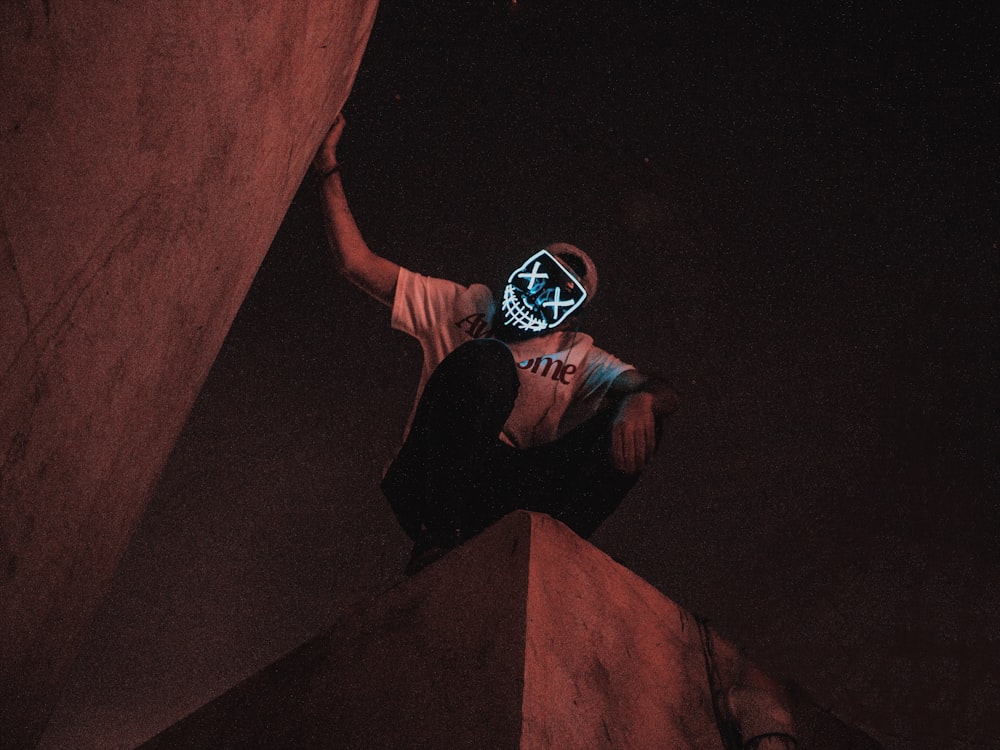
column 563, row 375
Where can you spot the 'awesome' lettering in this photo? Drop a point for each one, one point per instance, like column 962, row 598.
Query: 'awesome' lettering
column 560, row 371
column 477, row 327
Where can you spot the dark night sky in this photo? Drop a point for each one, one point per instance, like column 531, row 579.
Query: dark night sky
column 795, row 219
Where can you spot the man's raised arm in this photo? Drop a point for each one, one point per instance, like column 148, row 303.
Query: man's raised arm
column 351, row 254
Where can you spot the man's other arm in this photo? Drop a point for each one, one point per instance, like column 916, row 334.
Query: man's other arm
column 633, row 432
column 351, row 255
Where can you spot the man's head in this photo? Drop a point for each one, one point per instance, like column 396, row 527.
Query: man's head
column 552, row 285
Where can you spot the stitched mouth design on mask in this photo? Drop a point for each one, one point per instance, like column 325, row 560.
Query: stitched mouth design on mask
column 519, row 314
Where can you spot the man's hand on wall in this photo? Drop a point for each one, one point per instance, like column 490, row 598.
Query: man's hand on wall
column 325, row 160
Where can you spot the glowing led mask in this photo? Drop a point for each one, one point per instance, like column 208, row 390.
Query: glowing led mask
column 540, row 294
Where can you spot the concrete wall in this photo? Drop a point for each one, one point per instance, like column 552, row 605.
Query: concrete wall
column 149, row 152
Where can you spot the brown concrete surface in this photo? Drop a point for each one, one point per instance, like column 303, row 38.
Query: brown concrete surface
column 149, row 153
column 436, row 662
column 526, row 637
column 610, row 661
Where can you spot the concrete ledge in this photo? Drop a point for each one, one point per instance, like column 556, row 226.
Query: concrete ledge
column 525, row 637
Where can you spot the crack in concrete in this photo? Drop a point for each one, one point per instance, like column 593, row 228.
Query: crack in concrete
column 77, row 286
column 9, row 257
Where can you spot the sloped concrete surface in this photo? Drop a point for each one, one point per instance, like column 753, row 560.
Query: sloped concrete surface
column 147, row 156
column 435, row 662
column 611, row 662
column 526, row 637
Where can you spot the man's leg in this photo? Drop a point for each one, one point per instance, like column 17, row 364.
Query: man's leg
column 574, row 479
column 443, row 478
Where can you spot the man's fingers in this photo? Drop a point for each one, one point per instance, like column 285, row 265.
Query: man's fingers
column 617, row 454
column 338, row 124
column 633, row 442
column 641, row 443
column 649, row 439
column 326, row 156
column 619, row 444
column 636, row 454
column 333, row 134
column 624, row 447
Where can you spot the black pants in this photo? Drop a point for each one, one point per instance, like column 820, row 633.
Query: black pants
column 453, row 476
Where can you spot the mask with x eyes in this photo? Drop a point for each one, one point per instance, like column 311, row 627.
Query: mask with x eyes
column 541, row 294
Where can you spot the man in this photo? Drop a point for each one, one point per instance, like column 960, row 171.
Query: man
column 516, row 407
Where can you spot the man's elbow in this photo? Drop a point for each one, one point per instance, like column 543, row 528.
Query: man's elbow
column 352, row 268
column 376, row 278
column 346, row 269
column 359, row 277
column 665, row 398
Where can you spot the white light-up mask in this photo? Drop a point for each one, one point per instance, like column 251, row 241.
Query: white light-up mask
column 541, row 294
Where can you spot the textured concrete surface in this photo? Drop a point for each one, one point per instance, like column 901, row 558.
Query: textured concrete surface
column 148, row 155
column 526, row 637
column 436, row 662
column 610, row 661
